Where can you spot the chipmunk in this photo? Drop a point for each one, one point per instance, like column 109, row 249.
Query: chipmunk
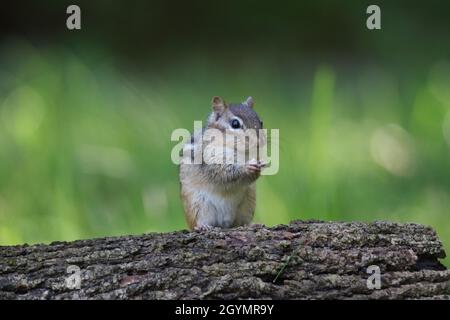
column 214, row 192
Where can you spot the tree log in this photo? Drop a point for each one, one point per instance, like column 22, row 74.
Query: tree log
column 302, row 260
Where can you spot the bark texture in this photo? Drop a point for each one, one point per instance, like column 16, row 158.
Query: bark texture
column 302, row 260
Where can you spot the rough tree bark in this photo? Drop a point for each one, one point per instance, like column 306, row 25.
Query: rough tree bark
column 306, row 260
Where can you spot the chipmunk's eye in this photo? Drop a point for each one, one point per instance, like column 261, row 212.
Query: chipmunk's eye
column 235, row 124
column 261, row 124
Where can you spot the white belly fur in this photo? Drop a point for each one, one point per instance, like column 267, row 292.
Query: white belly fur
column 219, row 208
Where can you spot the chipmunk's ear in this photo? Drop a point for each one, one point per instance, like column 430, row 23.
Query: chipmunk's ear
column 218, row 105
column 249, row 102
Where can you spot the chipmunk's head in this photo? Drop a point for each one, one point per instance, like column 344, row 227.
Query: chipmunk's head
column 237, row 119
column 234, row 117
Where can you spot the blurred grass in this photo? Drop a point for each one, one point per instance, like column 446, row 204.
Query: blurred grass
column 85, row 146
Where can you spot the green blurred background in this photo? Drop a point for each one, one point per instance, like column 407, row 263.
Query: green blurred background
column 86, row 116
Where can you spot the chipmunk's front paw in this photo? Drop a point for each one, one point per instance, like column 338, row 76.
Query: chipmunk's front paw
column 254, row 167
column 203, row 227
column 262, row 164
